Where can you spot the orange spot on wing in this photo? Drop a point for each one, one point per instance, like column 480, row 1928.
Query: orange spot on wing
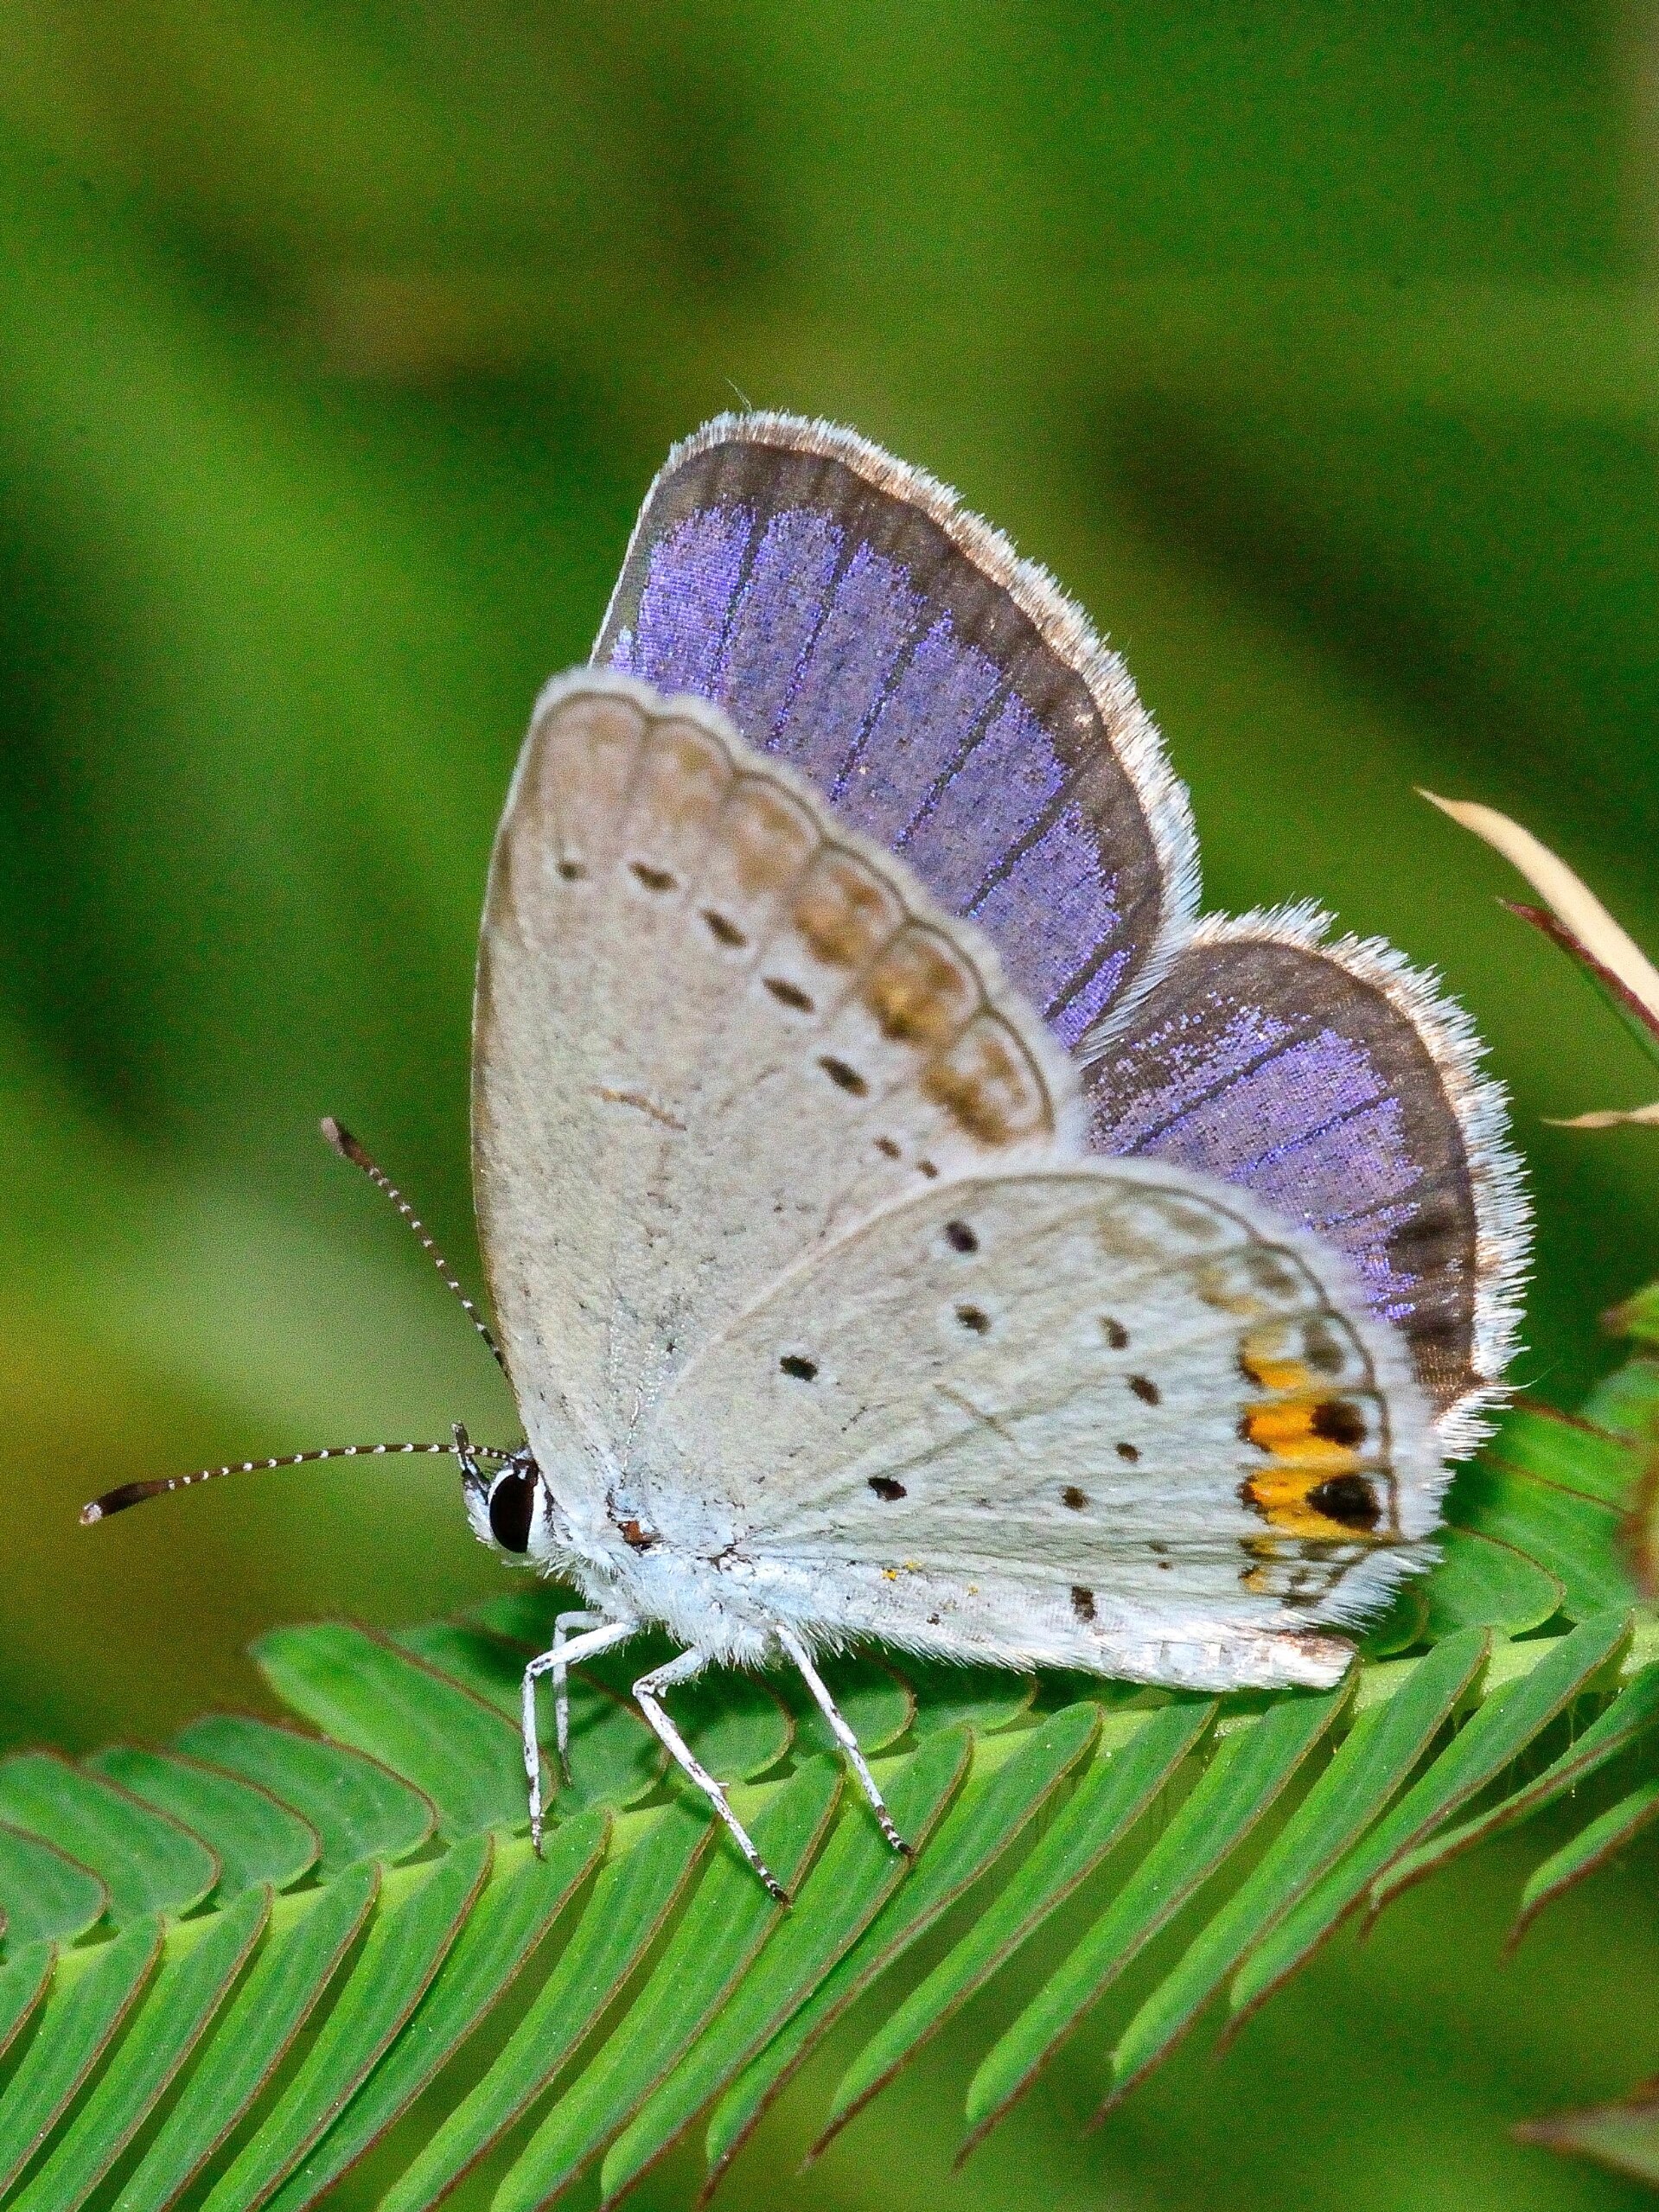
column 1281, row 1499
column 1312, row 1503
column 1265, row 1363
column 1288, row 1428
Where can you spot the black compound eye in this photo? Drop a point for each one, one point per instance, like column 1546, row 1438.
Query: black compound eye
column 512, row 1508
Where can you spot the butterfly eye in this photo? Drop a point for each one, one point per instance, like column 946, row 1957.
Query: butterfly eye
column 512, row 1507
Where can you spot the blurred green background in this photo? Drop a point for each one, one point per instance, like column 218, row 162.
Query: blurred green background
column 1313, row 346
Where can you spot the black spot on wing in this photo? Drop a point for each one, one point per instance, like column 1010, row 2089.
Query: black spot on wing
column 1339, row 1420
column 959, row 1237
column 655, row 879
column 1349, row 1499
column 722, row 929
column 791, row 994
column 1115, row 1334
column 802, row 1370
column 974, row 1319
column 1127, row 1451
column 1146, row 1389
column 1072, row 1496
column 886, row 1488
column 844, row 1078
column 1082, row 1601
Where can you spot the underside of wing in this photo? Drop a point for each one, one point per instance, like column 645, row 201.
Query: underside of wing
column 1342, row 1089
column 713, row 1027
column 1054, row 1413
column 855, row 620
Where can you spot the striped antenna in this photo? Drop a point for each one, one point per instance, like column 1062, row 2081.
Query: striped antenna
column 134, row 1494
column 348, row 1148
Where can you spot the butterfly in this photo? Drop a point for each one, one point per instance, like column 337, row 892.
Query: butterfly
column 904, row 1219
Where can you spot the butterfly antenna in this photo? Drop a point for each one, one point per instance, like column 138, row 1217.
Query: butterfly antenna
column 134, row 1494
column 348, row 1148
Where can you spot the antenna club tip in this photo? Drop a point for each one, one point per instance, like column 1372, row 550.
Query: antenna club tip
column 346, row 1144
column 117, row 1500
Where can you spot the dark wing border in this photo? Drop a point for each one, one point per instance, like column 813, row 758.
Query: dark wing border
column 1105, row 708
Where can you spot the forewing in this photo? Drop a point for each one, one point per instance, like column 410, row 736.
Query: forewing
column 1051, row 1412
column 1343, row 1090
column 856, row 620
column 713, row 1027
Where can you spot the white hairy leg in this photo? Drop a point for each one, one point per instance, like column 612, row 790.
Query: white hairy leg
column 646, row 1692
column 562, row 1629
column 843, row 1735
column 561, row 1656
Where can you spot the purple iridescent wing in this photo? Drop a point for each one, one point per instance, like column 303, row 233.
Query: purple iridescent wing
column 1337, row 1085
column 853, row 618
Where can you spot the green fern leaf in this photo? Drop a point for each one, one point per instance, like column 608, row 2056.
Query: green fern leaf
column 25, row 1980
column 1138, row 1756
column 255, row 1838
column 49, row 1898
column 308, row 1938
column 358, row 1810
column 1243, row 1780
column 1612, row 1732
column 632, row 1899
column 998, row 1802
column 1590, row 1849
column 146, row 1861
column 526, row 1899
column 459, row 1751
column 1481, row 1583
column 718, row 1935
column 851, row 1880
column 418, row 1922
column 1518, row 1709
column 188, row 1990
column 86, row 2010
column 1379, row 1751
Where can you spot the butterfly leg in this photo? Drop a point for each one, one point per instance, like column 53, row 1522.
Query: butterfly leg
column 555, row 1661
column 562, row 1628
column 843, row 1735
column 648, row 1692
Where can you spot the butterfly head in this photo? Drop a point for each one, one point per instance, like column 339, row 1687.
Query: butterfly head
column 512, row 1508
column 509, row 1506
